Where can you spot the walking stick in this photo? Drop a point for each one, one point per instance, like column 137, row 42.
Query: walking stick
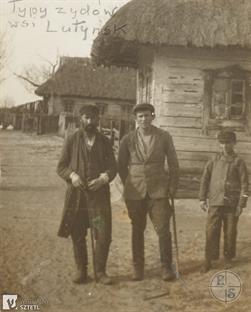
column 90, row 214
column 92, row 243
column 175, row 240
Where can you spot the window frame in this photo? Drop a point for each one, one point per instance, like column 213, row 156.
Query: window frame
column 233, row 73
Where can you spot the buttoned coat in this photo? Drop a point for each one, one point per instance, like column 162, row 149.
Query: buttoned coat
column 72, row 160
column 225, row 181
column 149, row 175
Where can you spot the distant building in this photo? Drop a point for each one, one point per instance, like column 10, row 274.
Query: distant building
column 78, row 81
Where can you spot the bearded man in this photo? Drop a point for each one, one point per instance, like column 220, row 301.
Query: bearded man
column 88, row 164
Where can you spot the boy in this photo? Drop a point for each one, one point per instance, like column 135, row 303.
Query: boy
column 225, row 184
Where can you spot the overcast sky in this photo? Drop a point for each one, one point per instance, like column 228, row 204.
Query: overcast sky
column 42, row 29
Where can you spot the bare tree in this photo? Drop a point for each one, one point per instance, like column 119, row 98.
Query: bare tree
column 34, row 75
column 3, row 55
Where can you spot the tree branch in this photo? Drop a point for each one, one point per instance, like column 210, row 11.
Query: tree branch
column 26, row 79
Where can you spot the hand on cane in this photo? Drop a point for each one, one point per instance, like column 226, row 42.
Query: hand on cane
column 203, row 205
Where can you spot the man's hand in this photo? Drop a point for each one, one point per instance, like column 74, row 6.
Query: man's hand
column 238, row 211
column 203, row 205
column 76, row 180
column 96, row 184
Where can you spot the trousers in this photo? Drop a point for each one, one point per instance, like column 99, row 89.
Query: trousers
column 159, row 212
column 218, row 217
column 100, row 218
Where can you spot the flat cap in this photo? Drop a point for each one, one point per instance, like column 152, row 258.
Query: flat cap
column 89, row 109
column 226, row 136
column 143, row 106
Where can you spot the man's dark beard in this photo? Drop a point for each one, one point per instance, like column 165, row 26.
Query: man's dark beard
column 90, row 128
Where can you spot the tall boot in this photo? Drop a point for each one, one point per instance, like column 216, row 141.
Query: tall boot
column 165, row 245
column 81, row 261
column 138, row 255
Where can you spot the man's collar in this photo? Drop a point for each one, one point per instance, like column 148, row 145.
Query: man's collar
column 228, row 156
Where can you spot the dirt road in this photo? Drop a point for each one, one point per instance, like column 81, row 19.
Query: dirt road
column 36, row 264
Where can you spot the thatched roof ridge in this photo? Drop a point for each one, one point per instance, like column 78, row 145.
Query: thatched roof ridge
column 80, row 77
column 186, row 23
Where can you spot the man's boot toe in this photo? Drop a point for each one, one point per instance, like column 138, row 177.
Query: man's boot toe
column 168, row 274
column 138, row 275
column 104, row 279
column 80, row 277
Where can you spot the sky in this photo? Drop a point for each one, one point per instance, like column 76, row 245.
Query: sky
column 41, row 30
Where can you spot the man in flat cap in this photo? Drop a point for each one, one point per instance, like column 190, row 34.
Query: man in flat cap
column 224, row 184
column 88, row 164
column 147, row 186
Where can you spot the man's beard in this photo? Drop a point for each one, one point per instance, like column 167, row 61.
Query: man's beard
column 90, row 128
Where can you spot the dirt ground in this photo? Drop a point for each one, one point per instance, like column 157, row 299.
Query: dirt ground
column 35, row 263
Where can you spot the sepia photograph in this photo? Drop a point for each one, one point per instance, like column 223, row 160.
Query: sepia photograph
column 125, row 155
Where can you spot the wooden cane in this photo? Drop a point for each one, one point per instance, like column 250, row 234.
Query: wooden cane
column 175, row 240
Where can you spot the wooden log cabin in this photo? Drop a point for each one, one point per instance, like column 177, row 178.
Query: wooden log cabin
column 79, row 81
column 193, row 64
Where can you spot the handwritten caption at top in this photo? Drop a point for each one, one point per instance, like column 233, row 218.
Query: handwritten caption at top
column 75, row 17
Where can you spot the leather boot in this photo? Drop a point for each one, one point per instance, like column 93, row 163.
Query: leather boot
column 104, row 279
column 80, row 257
column 165, row 245
column 80, row 276
column 167, row 274
column 206, row 266
column 138, row 256
column 138, row 273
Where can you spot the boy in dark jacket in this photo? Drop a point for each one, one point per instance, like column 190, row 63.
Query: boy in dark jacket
column 225, row 184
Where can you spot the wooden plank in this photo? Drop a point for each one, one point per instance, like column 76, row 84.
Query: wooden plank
column 185, row 78
column 206, row 144
column 191, row 166
column 196, row 156
column 182, row 86
column 190, row 132
column 180, row 122
column 172, row 95
column 197, row 133
column 181, row 110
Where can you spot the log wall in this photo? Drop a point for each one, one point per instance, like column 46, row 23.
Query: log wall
column 181, row 104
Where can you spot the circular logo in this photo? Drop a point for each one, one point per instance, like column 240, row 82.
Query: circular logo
column 225, row 286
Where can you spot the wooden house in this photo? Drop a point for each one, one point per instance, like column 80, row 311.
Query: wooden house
column 79, row 81
column 193, row 61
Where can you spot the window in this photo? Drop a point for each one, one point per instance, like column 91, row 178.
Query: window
column 145, row 85
column 68, row 106
column 226, row 97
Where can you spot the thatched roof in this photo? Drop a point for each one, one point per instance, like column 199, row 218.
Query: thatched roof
column 185, row 23
column 79, row 77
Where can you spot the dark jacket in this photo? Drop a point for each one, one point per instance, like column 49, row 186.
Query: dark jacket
column 148, row 176
column 225, row 181
column 73, row 160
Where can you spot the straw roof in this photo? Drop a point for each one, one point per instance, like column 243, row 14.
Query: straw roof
column 79, row 77
column 186, row 23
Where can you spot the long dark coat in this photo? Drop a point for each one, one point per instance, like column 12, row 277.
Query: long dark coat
column 72, row 160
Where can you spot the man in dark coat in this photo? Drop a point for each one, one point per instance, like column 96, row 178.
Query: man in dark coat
column 147, row 186
column 225, row 184
column 88, row 164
